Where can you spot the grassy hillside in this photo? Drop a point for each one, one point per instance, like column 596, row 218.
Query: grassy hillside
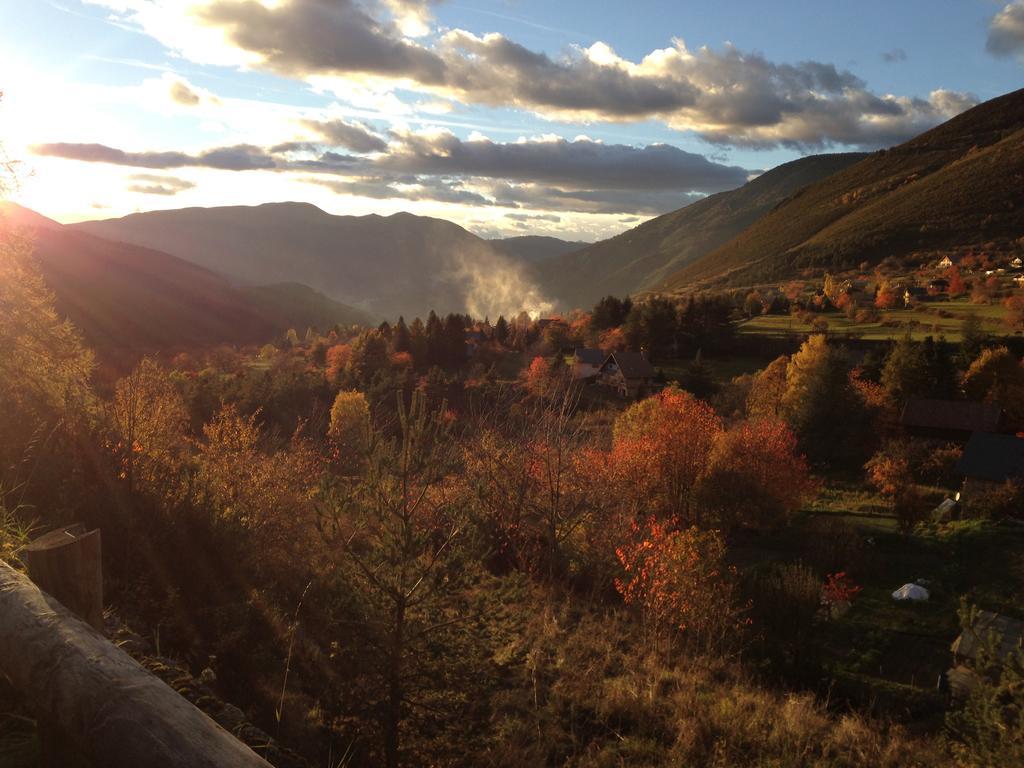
column 643, row 257
column 960, row 184
column 385, row 265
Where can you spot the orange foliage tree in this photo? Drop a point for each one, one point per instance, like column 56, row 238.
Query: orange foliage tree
column 664, row 443
column 679, row 580
column 337, row 358
column 757, row 477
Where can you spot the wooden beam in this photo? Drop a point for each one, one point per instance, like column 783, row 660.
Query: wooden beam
column 115, row 712
column 67, row 564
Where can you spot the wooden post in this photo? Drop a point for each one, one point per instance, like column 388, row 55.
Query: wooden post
column 67, row 565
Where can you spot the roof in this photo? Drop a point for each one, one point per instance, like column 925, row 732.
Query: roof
column 992, row 457
column 953, row 415
column 633, row 365
column 1010, row 631
column 589, row 355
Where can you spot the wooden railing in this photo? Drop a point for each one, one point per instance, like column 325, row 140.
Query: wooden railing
column 91, row 697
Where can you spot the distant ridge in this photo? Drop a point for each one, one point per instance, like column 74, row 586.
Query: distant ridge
column 385, row 265
column 959, row 184
column 128, row 299
column 644, row 257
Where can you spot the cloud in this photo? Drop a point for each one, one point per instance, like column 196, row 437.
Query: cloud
column 326, row 37
column 549, row 173
column 241, row 157
column 727, row 96
column 154, row 184
column 524, row 217
column 182, row 94
column 895, row 55
column 1006, row 31
column 352, row 136
column 582, row 162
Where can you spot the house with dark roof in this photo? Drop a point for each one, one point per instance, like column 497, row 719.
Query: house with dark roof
column 586, row 363
column 1007, row 636
column 993, row 459
column 954, row 420
column 628, row 373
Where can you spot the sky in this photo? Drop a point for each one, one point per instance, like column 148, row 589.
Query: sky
column 577, row 119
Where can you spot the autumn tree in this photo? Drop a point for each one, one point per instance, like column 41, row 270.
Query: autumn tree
column 680, row 582
column 45, row 372
column 757, row 477
column 398, row 532
column 269, row 494
column 819, row 403
column 665, row 444
column 151, row 421
column 998, row 376
column 350, row 426
column 767, row 389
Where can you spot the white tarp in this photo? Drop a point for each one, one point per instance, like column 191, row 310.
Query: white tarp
column 910, row 592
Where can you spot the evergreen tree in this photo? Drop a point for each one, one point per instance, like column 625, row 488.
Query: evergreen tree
column 400, row 340
column 435, row 340
column 501, row 330
column 940, row 370
column 455, row 340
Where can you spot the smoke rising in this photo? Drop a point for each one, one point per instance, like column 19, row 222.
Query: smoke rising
column 494, row 285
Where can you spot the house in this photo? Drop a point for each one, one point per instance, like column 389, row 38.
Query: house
column 954, row 420
column 1017, row 263
column 988, row 462
column 948, row 261
column 966, row 648
column 913, row 294
column 586, row 363
column 938, row 286
column 628, row 373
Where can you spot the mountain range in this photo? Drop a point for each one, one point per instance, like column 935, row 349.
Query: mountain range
column 242, row 273
column 128, row 299
column 385, row 265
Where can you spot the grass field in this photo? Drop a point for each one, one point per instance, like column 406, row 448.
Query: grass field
column 894, row 323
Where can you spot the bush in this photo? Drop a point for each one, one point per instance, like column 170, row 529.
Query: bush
column 835, row 546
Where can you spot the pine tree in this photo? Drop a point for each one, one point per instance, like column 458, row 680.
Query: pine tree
column 400, row 340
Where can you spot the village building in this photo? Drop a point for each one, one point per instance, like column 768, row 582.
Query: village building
column 938, row 287
column 948, row 261
column 914, row 294
column 628, row 373
column 954, row 420
column 988, row 462
column 1009, row 636
column 1017, row 263
column 586, row 363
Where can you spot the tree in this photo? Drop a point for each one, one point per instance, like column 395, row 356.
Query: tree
column 337, row 361
column 610, row 312
column 151, row 420
column 400, row 339
column 1014, row 312
column 680, row 581
column 819, row 403
column 998, row 376
column 45, row 367
column 269, row 495
column 664, row 445
column 767, row 389
column 350, row 427
column 753, row 305
column 398, row 530
column 757, row 477
column 972, row 339
column 905, row 373
column 501, row 331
